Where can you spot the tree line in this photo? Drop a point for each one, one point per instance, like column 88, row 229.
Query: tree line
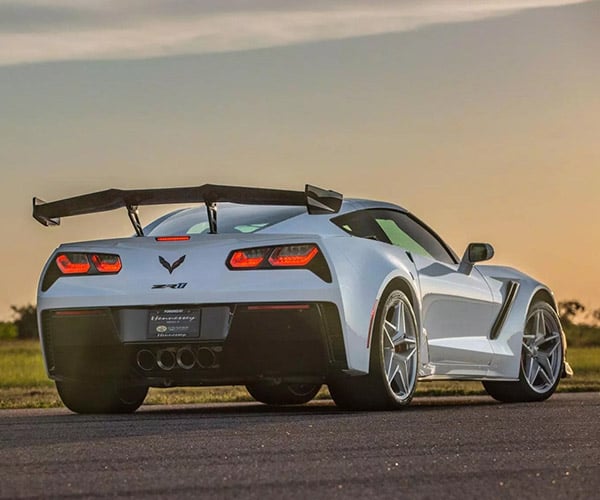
column 582, row 326
column 24, row 324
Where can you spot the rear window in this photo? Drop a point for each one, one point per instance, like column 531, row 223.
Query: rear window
column 230, row 219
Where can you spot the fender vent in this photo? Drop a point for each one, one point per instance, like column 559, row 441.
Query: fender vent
column 512, row 288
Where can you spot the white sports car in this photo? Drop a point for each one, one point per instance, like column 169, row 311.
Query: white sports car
column 289, row 291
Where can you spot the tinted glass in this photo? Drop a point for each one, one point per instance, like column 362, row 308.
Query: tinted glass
column 230, row 219
column 399, row 238
column 362, row 225
column 422, row 235
column 397, row 228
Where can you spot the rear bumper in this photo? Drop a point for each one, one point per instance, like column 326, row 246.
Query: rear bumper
column 235, row 344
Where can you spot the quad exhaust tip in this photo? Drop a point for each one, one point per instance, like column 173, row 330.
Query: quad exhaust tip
column 146, row 359
column 166, row 359
column 184, row 357
column 206, row 358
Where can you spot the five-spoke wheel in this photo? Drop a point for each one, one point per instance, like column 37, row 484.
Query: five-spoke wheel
column 542, row 350
column 399, row 346
column 542, row 359
column 393, row 370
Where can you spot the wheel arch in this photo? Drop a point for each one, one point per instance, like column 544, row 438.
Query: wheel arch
column 401, row 283
column 398, row 282
column 543, row 294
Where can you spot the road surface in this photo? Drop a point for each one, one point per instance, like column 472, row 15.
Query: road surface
column 437, row 448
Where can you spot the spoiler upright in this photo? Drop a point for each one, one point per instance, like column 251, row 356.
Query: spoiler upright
column 316, row 200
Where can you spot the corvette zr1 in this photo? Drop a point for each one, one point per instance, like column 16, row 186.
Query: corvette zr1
column 282, row 292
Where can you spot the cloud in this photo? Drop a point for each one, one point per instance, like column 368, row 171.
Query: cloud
column 57, row 30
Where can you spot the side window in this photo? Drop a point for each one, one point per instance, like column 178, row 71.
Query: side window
column 397, row 228
column 361, row 225
column 421, row 235
column 399, row 238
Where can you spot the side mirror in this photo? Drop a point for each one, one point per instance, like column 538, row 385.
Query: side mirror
column 475, row 252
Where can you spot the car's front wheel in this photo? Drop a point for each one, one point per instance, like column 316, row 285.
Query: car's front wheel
column 542, row 359
column 283, row 394
column 393, row 370
column 101, row 397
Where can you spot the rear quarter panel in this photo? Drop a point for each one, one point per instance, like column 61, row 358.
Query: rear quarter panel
column 363, row 269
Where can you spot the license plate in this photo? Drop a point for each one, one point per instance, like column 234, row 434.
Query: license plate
column 174, row 323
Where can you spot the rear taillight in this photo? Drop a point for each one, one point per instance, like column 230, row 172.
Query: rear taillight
column 293, row 255
column 85, row 263
column 80, row 264
column 248, row 259
column 302, row 256
column 73, row 263
column 107, row 263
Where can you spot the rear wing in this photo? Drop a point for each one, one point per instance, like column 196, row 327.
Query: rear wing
column 316, row 200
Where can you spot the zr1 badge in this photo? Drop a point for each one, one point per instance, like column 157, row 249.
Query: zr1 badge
column 175, row 286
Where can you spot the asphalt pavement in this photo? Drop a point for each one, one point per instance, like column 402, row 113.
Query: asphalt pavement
column 437, row 448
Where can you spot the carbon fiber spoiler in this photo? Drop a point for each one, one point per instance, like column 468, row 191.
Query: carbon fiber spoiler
column 316, row 200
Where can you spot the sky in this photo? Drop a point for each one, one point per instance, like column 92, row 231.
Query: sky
column 483, row 118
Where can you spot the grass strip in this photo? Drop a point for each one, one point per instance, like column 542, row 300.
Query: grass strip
column 23, row 381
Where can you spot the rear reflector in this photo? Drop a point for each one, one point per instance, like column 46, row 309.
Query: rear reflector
column 280, row 307
column 373, row 312
column 107, row 263
column 80, row 312
column 172, row 238
column 293, row 255
column 73, row 263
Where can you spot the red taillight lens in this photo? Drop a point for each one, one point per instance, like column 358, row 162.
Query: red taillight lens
column 81, row 263
column 247, row 259
column 73, row 263
column 293, row 255
column 107, row 263
column 306, row 256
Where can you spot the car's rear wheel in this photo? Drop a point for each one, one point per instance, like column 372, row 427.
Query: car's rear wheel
column 542, row 359
column 105, row 397
column 392, row 377
column 283, row 394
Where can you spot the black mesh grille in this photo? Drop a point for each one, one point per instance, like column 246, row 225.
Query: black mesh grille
column 275, row 342
column 47, row 340
column 82, row 343
column 335, row 337
column 262, row 340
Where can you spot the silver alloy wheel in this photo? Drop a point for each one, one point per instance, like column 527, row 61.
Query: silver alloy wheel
column 399, row 346
column 542, row 349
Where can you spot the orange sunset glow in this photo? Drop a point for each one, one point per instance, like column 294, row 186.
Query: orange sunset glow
column 485, row 123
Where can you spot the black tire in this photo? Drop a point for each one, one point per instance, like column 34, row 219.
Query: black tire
column 542, row 359
column 105, row 397
column 283, row 394
column 387, row 386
